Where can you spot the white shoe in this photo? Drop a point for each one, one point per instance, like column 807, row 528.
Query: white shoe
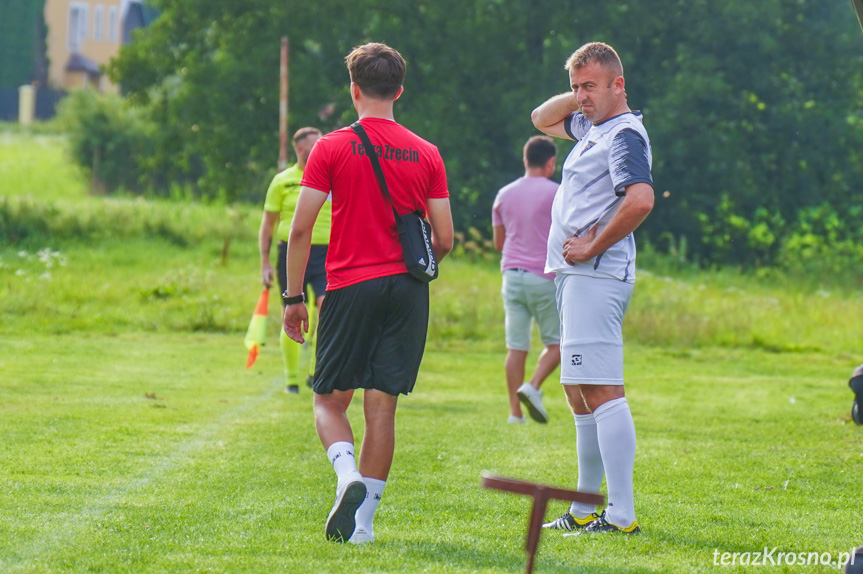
column 531, row 398
column 342, row 519
column 361, row 536
column 516, row 420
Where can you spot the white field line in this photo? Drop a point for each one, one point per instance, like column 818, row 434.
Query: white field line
column 57, row 535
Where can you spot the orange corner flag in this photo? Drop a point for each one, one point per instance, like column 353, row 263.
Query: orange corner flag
column 257, row 332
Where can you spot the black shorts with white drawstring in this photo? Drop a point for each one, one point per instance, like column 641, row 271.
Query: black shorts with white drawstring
column 371, row 335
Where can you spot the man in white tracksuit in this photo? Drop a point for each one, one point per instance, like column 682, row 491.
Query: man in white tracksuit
column 605, row 193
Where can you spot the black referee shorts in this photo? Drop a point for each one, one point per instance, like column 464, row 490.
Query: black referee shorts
column 371, row 335
column 316, row 272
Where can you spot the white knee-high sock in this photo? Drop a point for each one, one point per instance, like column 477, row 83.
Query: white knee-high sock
column 366, row 512
column 616, row 435
column 590, row 469
column 341, row 454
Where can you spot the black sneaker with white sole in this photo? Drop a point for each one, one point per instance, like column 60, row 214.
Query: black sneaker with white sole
column 342, row 519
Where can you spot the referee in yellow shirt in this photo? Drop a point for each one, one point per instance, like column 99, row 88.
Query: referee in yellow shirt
column 279, row 207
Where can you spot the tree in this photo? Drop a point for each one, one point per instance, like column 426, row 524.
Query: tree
column 754, row 109
column 22, row 42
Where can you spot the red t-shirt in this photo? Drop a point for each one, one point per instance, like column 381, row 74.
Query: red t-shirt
column 364, row 243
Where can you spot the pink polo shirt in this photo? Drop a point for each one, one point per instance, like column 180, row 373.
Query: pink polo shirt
column 524, row 209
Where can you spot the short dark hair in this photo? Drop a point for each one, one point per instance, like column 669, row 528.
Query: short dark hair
column 377, row 69
column 303, row 133
column 538, row 150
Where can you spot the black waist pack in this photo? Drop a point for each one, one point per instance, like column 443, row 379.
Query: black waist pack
column 416, row 238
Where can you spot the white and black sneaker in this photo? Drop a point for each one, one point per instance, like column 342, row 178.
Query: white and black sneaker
column 342, row 519
column 602, row 524
column 531, row 398
column 569, row 522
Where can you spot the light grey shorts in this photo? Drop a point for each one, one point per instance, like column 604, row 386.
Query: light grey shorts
column 591, row 329
column 527, row 298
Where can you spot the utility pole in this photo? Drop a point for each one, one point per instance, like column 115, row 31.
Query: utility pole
column 283, row 105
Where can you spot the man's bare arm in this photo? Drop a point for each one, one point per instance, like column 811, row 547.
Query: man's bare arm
column 308, row 205
column 549, row 116
column 634, row 209
column 499, row 236
column 440, row 218
column 295, row 318
column 265, row 241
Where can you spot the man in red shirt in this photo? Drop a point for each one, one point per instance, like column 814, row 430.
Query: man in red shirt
column 374, row 319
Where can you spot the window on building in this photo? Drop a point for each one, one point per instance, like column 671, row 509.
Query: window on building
column 113, row 24
column 77, row 26
column 98, row 22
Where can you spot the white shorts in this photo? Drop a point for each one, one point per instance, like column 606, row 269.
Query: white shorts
column 527, row 298
column 591, row 328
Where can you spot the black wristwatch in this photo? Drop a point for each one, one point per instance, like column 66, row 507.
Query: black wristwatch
column 301, row 298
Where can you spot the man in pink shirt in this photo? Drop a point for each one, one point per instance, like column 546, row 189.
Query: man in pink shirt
column 521, row 218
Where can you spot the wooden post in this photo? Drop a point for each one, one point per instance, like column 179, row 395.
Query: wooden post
column 283, row 105
column 26, row 104
column 540, row 494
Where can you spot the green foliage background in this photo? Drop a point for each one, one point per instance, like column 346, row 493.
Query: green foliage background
column 755, row 110
column 18, row 27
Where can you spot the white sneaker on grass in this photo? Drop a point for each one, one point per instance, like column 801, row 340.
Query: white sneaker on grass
column 516, row 420
column 531, row 398
column 342, row 519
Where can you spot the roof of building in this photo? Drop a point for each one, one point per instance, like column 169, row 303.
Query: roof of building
column 79, row 63
column 138, row 15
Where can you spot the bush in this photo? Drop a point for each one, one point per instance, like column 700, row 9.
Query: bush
column 106, row 138
column 820, row 243
column 820, row 240
column 25, row 222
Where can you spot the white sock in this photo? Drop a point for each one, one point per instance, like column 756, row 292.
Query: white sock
column 616, row 435
column 366, row 511
column 590, row 469
column 341, row 454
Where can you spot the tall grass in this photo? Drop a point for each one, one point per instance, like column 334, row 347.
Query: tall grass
column 38, row 165
column 711, row 308
column 153, row 283
column 33, row 221
column 128, row 285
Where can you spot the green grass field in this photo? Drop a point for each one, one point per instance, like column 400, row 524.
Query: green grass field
column 133, row 439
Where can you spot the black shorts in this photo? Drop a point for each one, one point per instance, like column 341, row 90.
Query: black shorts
column 316, row 272
column 371, row 335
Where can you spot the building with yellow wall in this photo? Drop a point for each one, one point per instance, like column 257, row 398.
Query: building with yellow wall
column 83, row 36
